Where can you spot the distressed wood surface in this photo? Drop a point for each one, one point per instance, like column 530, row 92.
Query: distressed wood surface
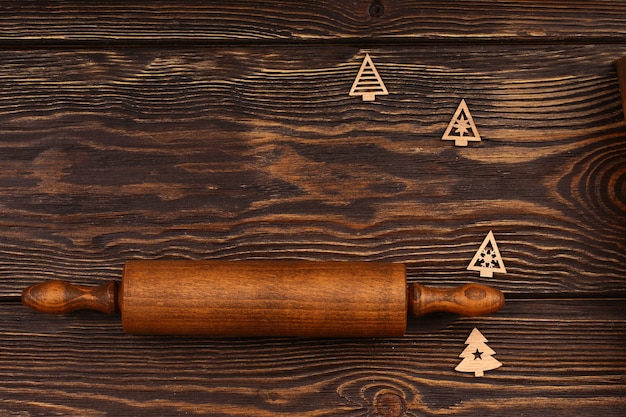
column 234, row 153
column 621, row 75
column 83, row 365
column 225, row 130
column 311, row 21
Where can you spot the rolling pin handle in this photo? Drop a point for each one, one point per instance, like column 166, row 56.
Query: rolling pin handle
column 58, row 297
column 466, row 300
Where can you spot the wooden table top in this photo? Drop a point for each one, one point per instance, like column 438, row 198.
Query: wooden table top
column 225, row 130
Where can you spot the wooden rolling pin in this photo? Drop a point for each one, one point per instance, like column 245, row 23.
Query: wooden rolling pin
column 263, row 298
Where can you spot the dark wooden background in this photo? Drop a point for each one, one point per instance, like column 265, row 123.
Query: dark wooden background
column 224, row 130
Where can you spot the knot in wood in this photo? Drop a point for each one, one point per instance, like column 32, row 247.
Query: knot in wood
column 389, row 404
column 377, row 9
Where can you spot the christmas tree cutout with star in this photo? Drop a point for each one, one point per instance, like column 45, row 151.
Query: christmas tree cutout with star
column 368, row 83
column 487, row 259
column 477, row 356
column 461, row 128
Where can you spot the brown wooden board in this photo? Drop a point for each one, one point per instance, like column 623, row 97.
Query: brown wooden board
column 563, row 357
column 225, row 130
column 238, row 153
column 621, row 75
column 311, row 21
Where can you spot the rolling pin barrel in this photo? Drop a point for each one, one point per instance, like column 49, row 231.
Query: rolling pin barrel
column 260, row 298
column 264, row 298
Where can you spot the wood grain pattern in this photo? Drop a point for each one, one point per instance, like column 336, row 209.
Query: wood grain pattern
column 312, row 21
column 566, row 357
column 224, row 130
column 264, row 298
column 621, row 75
column 234, row 154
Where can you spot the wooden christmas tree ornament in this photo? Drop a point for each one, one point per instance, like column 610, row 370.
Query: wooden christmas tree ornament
column 368, row 83
column 477, row 356
column 263, row 298
column 487, row 259
column 461, row 128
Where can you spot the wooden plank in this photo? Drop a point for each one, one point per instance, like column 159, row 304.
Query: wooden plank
column 621, row 75
column 564, row 357
column 235, row 21
column 236, row 153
